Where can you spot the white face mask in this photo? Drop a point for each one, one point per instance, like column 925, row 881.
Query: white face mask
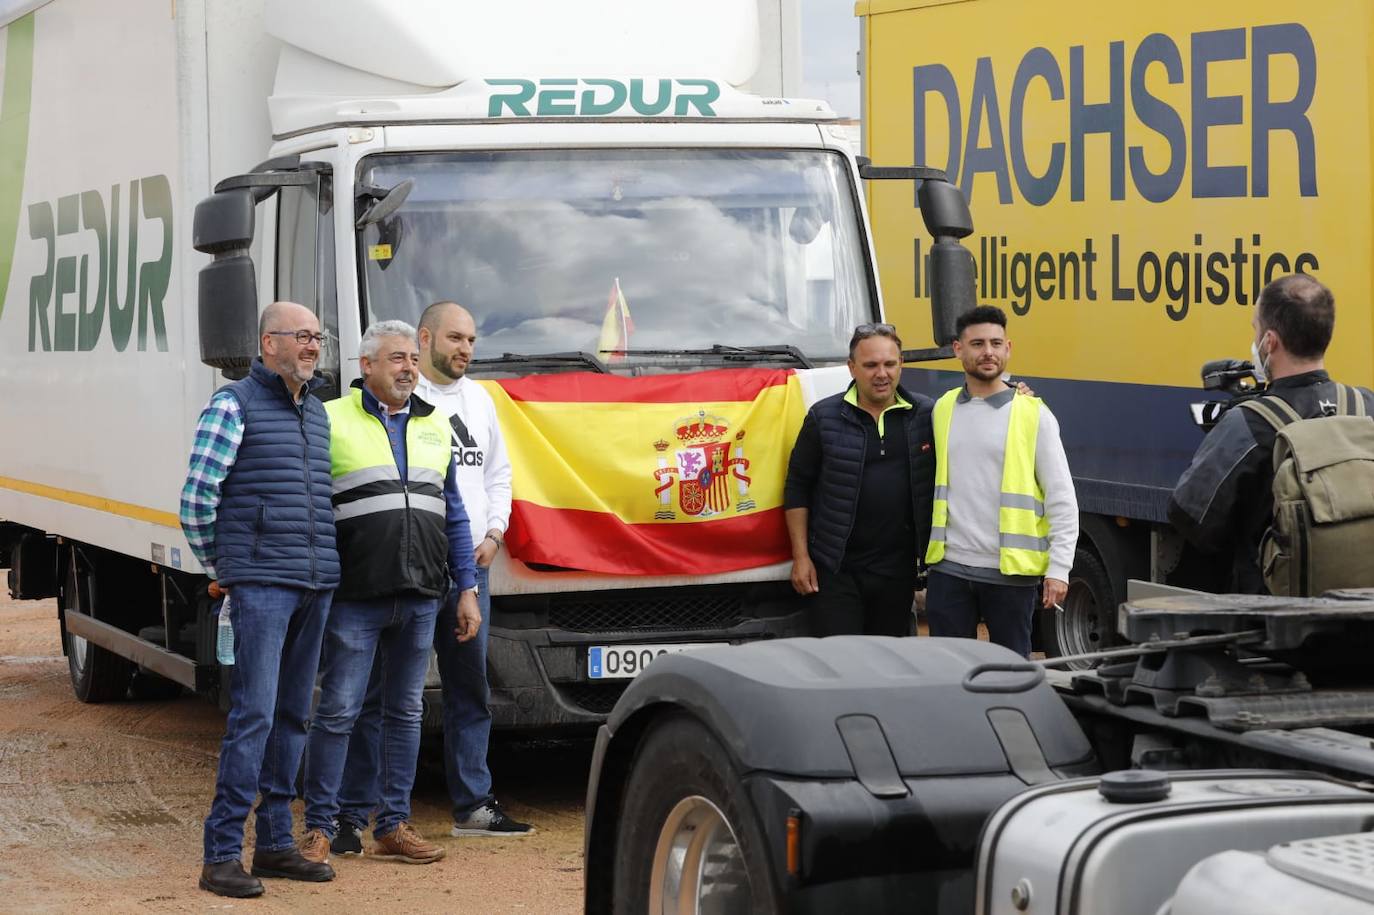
column 1261, row 370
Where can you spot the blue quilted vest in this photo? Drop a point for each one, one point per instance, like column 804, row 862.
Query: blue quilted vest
column 275, row 523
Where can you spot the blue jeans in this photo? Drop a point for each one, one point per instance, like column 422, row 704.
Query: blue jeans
column 467, row 722
column 277, row 632
column 467, row 706
column 954, row 606
column 401, row 629
column 359, row 789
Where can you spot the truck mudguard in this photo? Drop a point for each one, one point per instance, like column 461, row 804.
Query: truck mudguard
column 776, row 705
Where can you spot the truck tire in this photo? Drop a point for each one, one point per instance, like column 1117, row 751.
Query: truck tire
column 1088, row 622
column 97, row 675
column 689, row 839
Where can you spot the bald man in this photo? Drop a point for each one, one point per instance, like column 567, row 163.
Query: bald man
column 448, row 335
column 256, row 512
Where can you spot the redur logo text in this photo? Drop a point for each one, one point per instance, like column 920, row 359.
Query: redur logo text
column 602, row 97
column 72, row 302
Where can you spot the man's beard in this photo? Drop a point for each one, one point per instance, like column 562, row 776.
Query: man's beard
column 987, row 372
column 302, row 373
column 444, row 366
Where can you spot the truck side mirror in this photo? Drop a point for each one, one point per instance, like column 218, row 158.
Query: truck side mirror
column 227, row 293
column 944, row 209
column 952, row 270
column 228, row 288
column 377, row 203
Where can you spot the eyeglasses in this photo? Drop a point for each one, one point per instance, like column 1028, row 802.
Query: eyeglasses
column 864, row 331
column 872, row 330
column 302, row 336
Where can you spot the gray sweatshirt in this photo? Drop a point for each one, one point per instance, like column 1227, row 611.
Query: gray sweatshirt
column 977, row 442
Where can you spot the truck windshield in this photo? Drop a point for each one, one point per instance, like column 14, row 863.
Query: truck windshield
column 631, row 256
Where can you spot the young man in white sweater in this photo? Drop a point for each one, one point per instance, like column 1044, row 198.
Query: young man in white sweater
column 447, row 334
column 1006, row 515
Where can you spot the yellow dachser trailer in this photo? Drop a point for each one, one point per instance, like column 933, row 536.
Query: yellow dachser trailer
column 1137, row 172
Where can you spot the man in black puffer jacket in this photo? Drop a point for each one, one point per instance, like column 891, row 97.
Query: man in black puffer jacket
column 858, row 495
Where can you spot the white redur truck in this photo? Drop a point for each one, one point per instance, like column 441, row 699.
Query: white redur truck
column 520, row 158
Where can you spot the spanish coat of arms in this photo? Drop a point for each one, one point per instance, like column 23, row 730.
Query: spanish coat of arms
column 709, row 478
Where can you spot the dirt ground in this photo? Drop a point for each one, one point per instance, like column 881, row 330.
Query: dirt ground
column 101, row 808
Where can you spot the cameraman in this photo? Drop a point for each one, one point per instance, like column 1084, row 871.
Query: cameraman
column 1223, row 503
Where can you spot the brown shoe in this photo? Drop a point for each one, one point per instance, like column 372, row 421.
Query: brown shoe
column 406, row 845
column 315, row 846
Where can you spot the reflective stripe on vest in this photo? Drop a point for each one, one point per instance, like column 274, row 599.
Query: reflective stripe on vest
column 1023, row 530
column 365, row 478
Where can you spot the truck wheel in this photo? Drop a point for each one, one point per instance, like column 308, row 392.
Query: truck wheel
column 1088, row 622
column 689, row 840
column 97, row 675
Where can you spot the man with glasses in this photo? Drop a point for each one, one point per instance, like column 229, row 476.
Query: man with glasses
column 403, row 532
column 858, row 495
column 256, row 512
column 303, row 337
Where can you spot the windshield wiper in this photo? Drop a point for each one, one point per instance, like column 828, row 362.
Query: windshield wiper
column 543, row 360
column 729, row 353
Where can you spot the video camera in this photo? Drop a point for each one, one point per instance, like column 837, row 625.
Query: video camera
column 1235, row 377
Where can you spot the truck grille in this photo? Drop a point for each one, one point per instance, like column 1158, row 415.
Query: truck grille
column 597, row 698
column 645, row 613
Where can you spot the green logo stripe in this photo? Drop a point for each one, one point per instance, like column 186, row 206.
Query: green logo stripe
column 14, row 139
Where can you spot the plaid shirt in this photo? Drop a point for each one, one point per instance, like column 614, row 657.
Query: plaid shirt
column 218, row 434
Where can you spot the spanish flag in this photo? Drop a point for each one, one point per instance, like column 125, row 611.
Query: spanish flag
column 616, row 326
column 660, row 475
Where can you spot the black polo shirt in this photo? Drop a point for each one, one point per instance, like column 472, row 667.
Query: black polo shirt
column 883, row 539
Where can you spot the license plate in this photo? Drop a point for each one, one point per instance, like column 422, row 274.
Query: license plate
column 621, row 662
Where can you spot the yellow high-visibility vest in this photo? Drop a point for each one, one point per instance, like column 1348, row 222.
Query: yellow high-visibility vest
column 1022, row 528
column 361, row 459
column 391, row 531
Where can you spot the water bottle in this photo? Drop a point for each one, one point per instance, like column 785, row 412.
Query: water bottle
column 224, row 635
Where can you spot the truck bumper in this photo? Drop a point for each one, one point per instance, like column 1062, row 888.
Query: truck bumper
column 539, row 679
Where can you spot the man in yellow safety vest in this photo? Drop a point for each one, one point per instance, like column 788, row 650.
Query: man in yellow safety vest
column 404, row 541
column 1005, row 514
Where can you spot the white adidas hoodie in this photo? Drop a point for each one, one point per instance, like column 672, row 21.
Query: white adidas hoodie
column 478, row 449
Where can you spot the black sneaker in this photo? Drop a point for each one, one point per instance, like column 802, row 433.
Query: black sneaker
column 348, row 839
column 491, row 820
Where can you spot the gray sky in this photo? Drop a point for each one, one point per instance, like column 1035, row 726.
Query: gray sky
column 830, row 39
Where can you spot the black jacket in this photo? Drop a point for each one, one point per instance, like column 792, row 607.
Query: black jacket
column 1224, row 501
column 827, row 465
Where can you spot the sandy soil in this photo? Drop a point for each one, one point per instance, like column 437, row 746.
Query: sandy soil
column 101, row 808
